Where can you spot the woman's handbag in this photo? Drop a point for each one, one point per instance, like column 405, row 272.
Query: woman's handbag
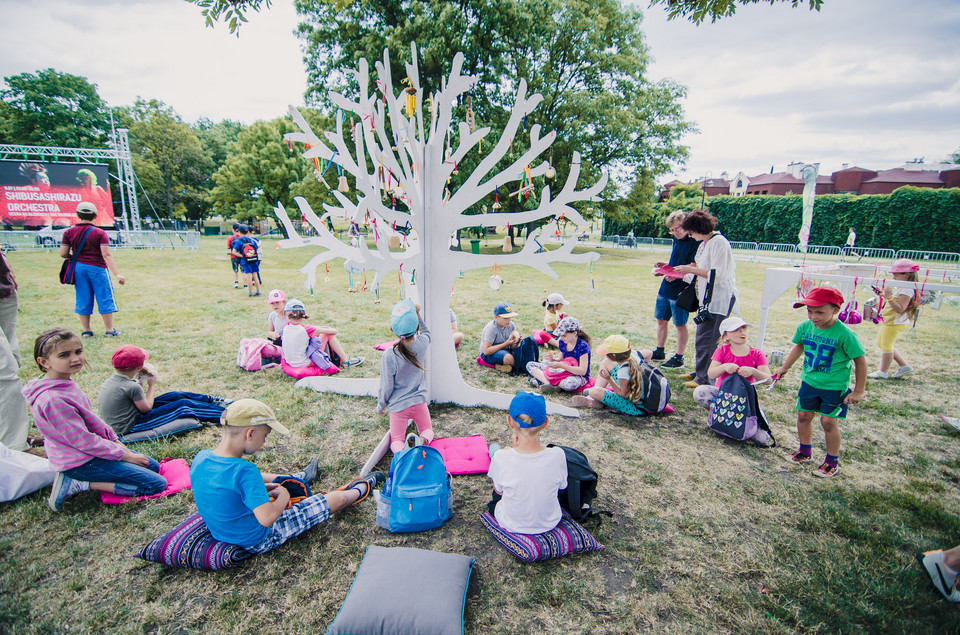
column 687, row 300
column 68, row 268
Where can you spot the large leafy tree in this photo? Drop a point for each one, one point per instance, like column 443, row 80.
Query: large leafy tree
column 587, row 58
column 168, row 159
column 50, row 108
column 261, row 171
column 699, row 10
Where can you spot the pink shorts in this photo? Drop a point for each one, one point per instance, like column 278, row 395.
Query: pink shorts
column 398, row 425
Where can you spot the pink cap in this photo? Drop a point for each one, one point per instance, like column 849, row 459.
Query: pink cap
column 904, row 265
column 276, row 295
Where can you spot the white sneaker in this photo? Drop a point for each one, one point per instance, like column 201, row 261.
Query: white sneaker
column 878, row 374
column 903, row 370
column 945, row 582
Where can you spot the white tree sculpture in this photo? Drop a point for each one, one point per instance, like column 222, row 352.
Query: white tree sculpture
column 415, row 168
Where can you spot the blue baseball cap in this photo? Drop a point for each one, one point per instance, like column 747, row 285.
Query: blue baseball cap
column 403, row 318
column 503, row 310
column 293, row 304
column 530, row 404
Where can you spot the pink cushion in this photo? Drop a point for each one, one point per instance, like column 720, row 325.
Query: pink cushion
column 177, row 473
column 299, row 372
column 382, row 346
column 483, row 363
column 464, row 455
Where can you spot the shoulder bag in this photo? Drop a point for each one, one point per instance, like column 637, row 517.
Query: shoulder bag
column 68, row 268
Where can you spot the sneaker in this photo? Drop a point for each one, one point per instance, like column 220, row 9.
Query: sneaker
column 63, row 488
column 353, row 361
column 690, row 384
column 579, row 401
column 944, row 581
column 493, row 449
column 674, row 362
column 236, row 285
column 903, row 370
column 310, row 472
column 658, row 353
column 800, row 457
column 546, row 389
column 879, row 374
column 826, row 470
column 504, row 368
column 533, row 381
column 686, row 376
column 763, row 439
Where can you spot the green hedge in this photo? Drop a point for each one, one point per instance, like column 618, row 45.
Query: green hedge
column 918, row 218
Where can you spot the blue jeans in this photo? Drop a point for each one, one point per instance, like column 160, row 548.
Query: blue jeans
column 128, row 479
column 179, row 405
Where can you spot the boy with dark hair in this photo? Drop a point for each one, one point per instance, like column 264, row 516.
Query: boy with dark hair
column 527, row 477
column 828, row 348
column 246, row 507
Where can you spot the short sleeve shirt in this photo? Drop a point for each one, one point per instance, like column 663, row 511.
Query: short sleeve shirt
column 581, row 349
column 623, row 372
column 226, row 491
column 828, row 354
column 116, row 402
column 529, row 483
column 754, row 359
column 493, row 334
column 90, row 253
column 277, row 321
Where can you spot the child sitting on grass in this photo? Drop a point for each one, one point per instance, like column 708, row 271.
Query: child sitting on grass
column 499, row 337
column 246, row 507
column 733, row 355
column 126, row 408
column 828, row 347
column 527, row 477
column 299, row 350
column 571, row 370
column 82, row 449
column 619, row 382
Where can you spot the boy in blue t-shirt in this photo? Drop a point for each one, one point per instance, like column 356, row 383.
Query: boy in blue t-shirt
column 242, row 505
column 829, row 348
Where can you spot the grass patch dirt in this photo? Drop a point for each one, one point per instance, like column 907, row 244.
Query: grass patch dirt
column 701, row 525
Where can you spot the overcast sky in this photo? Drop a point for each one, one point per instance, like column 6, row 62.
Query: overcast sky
column 872, row 83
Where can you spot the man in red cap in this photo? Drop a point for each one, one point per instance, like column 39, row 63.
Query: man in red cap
column 828, row 348
column 128, row 408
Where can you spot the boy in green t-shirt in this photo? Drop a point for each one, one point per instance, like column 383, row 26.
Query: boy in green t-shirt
column 828, row 348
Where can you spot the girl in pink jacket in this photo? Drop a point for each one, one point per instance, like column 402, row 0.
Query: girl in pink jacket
column 81, row 448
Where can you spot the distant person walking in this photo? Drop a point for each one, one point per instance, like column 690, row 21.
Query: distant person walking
column 92, row 280
column 851, row 241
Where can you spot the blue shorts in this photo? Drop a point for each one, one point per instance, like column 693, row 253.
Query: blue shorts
column 828, row 403
column 249, row 267
column 496, row 358
column 665, row 308
column 92, row 282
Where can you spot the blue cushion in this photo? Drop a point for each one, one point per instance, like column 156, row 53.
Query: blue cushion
column 566, row 538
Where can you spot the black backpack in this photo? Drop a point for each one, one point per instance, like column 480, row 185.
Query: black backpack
column 581, row 488
column 528, row 351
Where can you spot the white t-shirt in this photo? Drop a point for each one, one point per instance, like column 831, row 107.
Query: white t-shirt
column 623, row 372
column 276, row 321
column 529, row 483
column 295, row 340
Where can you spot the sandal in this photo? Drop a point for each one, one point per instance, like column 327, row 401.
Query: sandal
column 86, row 334
column 371, row 480
column 113, row 333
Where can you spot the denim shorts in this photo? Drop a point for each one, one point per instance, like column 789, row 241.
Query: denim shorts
column 828, row 403
column 496, row 358
column 665, row 308
column 92, row 282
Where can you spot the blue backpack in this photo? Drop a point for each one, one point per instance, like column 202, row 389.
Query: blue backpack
column 418, row 490
column 736, row 412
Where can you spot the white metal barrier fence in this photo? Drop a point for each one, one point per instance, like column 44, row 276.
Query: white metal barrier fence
column 50, row 239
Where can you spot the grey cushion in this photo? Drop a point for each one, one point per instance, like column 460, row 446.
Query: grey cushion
column 173, row 427
column 404, row 591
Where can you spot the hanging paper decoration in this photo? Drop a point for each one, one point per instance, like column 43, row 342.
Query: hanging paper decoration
column 342, row 185
column 496, row 199
column 411, row 95
column 592, row 285
column 495, row 280
column 326, row 277
column 551, row 171
column 471, row 119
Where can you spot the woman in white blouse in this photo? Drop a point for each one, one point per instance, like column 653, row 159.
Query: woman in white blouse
column 714, row 254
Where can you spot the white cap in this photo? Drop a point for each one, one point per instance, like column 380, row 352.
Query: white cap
column 556, row 298
column 732, row 324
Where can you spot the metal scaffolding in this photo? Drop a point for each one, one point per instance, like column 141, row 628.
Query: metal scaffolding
column 118, row 151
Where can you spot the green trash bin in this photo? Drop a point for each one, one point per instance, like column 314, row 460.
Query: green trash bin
column 475, row 245
column 211, row 230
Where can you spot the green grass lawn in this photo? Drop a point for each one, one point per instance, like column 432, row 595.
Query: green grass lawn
column 707, row 535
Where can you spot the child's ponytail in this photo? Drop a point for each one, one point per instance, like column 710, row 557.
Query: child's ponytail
column 585, row 337
column 402, row 349
column 635, row 385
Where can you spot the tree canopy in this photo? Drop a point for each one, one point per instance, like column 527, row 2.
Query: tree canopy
column 587, row 58
column 699, row 10
column 50, row 108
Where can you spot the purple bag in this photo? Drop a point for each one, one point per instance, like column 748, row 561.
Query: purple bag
column 317, row 354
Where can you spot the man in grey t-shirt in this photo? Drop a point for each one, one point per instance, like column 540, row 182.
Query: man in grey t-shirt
column 499, row 337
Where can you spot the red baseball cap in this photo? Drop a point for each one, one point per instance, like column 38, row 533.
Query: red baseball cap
column 820, row 296
column 129, row 356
